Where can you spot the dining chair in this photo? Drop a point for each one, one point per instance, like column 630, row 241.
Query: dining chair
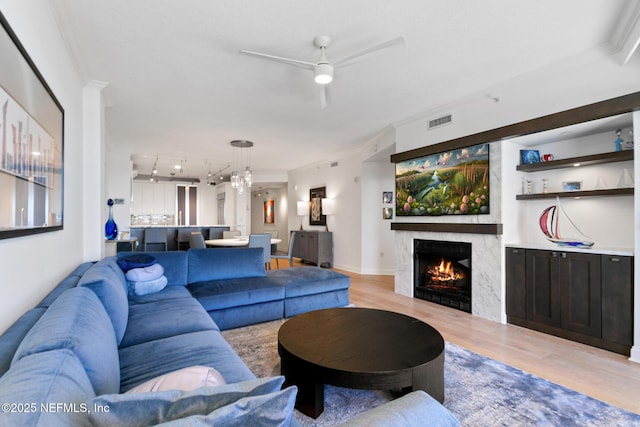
column 286, row 255
column 183, row 236
column 215, row 233
column 230, row 234
column 262, row 241
column 274, row 246
column 196, row 240
column 155, row 236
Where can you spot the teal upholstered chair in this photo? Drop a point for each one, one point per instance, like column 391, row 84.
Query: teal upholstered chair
column 262, row 241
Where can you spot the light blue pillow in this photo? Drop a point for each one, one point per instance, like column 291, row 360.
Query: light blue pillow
column 269, row 410
column 145, row 287
column 145, row 409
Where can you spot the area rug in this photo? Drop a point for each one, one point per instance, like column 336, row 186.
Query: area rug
column 479, row 391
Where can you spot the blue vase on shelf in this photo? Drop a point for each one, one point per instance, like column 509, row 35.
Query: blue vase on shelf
column 110, row 228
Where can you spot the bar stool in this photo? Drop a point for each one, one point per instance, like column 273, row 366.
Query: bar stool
column 155, row 236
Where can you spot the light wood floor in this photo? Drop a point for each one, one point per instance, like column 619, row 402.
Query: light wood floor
column 604, row 375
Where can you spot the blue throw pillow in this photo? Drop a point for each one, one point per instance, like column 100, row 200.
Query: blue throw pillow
column 130, row 262
column 157, row 407
column 269, row 410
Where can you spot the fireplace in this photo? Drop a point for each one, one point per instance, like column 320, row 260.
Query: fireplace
column 442, row 273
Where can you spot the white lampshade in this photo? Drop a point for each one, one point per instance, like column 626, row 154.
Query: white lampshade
column 303, row 208
column 328, row 206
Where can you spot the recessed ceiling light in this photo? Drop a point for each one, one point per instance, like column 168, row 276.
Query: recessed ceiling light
column 575, row 165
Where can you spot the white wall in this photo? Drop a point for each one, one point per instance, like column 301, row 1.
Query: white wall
column 56, row 254
column 342, row 183
column 118, row 186
column 378, row 243
column 277, row 193
column 207, row 204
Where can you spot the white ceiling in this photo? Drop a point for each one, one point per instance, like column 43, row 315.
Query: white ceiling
column 179, row 89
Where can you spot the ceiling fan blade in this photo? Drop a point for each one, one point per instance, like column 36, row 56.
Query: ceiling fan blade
column 303, row 64
column 324, row 97
column 390, row 43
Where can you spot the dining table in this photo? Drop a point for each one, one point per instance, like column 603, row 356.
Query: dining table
column 235, row 242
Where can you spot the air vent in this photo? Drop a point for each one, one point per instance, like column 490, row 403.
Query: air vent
column 440, row 121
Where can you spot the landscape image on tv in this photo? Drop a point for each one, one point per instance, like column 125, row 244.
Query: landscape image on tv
column 450, row 183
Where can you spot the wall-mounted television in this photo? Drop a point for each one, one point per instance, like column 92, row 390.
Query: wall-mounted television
column 455, row 182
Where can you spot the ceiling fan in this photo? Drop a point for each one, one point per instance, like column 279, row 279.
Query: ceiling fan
column 323, row 69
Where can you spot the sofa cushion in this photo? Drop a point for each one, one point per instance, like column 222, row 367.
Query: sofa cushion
column 50, row 378
column 269, row 410
column 165, row 318
column 10, row 340
column 174, row 263
column 413, row 409
column 300, row 281
column 184, row 379
column 168, row 293
column 221, row 294
column 107, row 280
column 144, row 409
column 142, row 362
column 78, row 322
column 225, row 263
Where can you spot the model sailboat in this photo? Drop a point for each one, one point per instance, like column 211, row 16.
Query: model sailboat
column 549, row 224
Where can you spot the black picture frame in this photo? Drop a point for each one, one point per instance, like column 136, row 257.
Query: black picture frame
column 31, row 145
column 315, row 206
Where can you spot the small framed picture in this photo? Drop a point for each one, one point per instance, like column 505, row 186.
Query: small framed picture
column 528, row 157
column 387, row 213
column 387, row 197
column 572, row 185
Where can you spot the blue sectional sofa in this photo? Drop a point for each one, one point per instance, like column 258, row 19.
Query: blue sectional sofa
column 72, row 359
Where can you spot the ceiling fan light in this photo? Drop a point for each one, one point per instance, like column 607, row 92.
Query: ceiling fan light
column 323, row 73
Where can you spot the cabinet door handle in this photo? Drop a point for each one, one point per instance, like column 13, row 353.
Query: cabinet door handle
column 515, row 251
column 564, row 254
column 554, row 254
column 614, row 259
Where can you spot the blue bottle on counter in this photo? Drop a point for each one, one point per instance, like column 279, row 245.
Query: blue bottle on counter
column 110, row 228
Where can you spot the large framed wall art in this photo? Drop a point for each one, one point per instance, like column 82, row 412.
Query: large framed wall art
column 316, row 216
column 31, row 144
column 454, row 182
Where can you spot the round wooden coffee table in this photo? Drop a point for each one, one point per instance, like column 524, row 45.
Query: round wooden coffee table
column 359, row 348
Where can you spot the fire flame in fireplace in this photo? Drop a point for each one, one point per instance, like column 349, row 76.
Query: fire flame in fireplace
column 443, row 272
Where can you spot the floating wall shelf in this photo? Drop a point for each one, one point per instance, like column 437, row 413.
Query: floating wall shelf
column 575, row 194
column 594, row 159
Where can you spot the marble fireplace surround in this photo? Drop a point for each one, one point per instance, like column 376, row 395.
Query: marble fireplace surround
column 486, row 259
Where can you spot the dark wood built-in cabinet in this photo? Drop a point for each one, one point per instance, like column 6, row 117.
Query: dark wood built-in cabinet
column 315, row 247
column 584, row 297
